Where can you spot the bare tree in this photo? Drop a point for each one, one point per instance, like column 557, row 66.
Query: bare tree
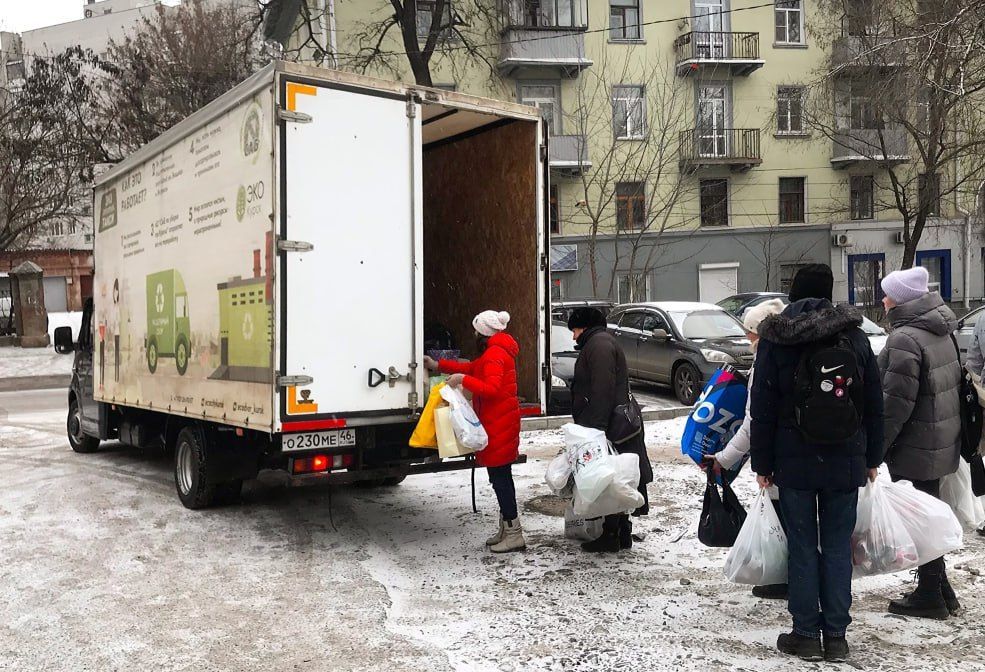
column 908, row 85
column 774, row 246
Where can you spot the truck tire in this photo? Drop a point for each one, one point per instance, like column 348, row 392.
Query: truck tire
column 181, row 352
column 191, row 466
column 391, row 481
column 152, row 354
column 79, row 440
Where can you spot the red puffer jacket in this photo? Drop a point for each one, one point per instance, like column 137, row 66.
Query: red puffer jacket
column 492, row 381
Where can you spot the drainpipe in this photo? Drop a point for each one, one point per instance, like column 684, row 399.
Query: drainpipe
column 966, row 258
column 331, row 33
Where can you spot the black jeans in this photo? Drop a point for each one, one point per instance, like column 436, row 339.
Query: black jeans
column 501, row 479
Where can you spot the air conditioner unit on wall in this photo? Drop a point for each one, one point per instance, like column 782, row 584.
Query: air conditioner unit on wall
column 900, row 239
column 842, row 240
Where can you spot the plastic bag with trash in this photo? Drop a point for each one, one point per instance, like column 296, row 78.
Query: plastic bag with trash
column 620, row 496
column 881, row 543
column 468, row 429
column 558, row 475
column 580, row 528
column 956, row 490
column 932, row 525
column 759, row 556
column 590, row 455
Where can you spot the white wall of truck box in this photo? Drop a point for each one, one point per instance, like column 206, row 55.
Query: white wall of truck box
column 250, row 397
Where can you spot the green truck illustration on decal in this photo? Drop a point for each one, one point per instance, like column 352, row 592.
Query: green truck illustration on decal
column 168, row 329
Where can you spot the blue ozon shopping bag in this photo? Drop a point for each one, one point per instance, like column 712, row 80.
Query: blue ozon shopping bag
column 716, row 417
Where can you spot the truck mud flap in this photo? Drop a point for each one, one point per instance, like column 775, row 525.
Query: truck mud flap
column 348, row 477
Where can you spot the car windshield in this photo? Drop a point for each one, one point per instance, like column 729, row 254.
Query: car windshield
column 704, row 324
column 732, row 304
column 871, row 328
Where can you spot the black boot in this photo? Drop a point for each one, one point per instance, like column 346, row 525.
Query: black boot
column 625, row 533
column 835, row 649
column 927, row 601
column 807, row 648
column 950, row 599
column 777, row 591
column 609, row 541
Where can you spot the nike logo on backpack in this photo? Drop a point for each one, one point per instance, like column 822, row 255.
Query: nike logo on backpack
column 833, row 368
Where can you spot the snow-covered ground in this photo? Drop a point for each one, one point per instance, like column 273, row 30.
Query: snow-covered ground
column 101, row 568
column 16, row 362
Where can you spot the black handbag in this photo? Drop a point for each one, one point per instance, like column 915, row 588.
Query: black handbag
column 722, row 514
column 971, row 413
column 626, row 422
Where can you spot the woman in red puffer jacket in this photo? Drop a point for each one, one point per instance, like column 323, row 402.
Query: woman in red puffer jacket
column 492, row 381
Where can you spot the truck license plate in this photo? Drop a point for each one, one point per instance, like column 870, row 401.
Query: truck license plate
column 319, row 440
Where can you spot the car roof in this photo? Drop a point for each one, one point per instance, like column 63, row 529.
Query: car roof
column 582, row 302
column 674, row 306
column 755, row 295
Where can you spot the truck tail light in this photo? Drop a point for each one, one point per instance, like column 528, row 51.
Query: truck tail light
column 320, row 463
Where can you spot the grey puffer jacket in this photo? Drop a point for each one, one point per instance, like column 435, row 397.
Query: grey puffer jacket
column 921, row 379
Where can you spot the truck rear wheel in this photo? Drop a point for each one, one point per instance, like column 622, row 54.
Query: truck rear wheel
column 181, row 355
column 391, row 481
column 79, row 440
column 152, row 355
column 191, row 465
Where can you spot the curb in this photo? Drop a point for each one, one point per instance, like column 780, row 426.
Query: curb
column 556, row 421
column 23, row 383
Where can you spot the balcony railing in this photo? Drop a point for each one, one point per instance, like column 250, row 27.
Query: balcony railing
column 542, row 50
column 737, row 148
column 569, row 153
column 855, row 146
column 737, row 51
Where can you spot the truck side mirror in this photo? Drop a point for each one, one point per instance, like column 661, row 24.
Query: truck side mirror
column 64, row 344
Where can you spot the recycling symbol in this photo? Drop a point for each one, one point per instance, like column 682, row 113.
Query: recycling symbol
column 159, row 298
column 248, row 327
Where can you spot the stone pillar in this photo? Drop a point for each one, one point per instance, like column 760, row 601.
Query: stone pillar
column 30, row 315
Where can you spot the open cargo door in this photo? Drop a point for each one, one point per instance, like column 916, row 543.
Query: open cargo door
column 351, row 316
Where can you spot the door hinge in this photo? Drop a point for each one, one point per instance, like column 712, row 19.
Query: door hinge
column 543, row 262
column 543, row 153
column 294, row 246
column 543, row 372
column 294, row 381
column 411, row 106
column 294, row 117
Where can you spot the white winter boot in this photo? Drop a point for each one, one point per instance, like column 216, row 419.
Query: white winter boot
column 498, row 537
column 512, row 538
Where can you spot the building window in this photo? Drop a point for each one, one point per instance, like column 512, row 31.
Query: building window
column 15, row 71
column 862, row 197
column 545, row 13
column 557, row 290
column 931, row 186
column 628, row 117
column 634, row 288
column 860, row 18
column 714, row 202
column 787, row 273
column 789, row 21
column 624, row 19
column 630, row 205
column 792, row 210
column 789, row 109
column 555, row 211
column 938, row 265
column 861, row 108
column 546, row 98
column 865, row 272
column 426, row 10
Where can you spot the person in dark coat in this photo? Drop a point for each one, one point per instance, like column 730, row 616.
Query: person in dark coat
column 922, row 390
column 818, row 482
column 601, row 383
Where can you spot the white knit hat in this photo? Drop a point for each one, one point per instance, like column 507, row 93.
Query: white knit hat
column 907, row 285
column 760, row 312
column 490, row 322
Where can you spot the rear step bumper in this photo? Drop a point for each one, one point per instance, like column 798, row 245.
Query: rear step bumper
column 347, row 477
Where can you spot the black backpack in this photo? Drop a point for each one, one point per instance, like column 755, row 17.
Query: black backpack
column 828, row 393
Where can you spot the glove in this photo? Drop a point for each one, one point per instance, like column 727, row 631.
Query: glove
column 455, row 380
column 430, row 364
column 711, row 461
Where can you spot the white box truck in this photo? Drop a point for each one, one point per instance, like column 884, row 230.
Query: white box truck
column 269, row 270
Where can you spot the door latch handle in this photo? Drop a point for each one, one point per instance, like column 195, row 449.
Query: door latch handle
column 394, row 376
column 376, row 378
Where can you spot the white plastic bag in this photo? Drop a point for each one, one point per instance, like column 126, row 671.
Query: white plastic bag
column 956, row 491
column 759, row 556
column 880, row 541
column 591, row 457
column 932, row 525
column 468, row 429
column 620, row 496
column 582, row 529
column 558, row 473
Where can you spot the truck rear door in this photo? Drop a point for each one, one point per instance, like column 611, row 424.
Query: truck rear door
column 352, row 309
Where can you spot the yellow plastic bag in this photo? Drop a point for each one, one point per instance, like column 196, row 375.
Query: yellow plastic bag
column 425, row 434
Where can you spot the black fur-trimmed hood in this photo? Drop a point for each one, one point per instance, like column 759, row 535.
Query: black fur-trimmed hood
column 807, row 321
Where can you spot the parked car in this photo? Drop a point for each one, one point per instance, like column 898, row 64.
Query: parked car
column 738, row 305
column 966, row 327
column 563, row 357
column 679, row 344
column 561, row 310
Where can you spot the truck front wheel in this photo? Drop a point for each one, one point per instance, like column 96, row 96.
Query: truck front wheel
column 79, row 440
column 191, row 465
column 181, row 355
column 152, row 355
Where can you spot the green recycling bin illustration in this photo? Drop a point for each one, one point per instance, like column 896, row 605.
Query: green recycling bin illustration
column 168, row 328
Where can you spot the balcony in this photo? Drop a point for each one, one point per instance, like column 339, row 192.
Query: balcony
column 854, row 53
column 865, row 146
column 542, row 51
column 697, row 51
column 734, row 148
column 569, row 154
